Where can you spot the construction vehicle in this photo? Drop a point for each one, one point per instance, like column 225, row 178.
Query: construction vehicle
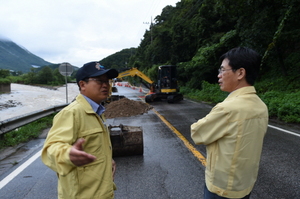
column 166, row 86
column 128, row 140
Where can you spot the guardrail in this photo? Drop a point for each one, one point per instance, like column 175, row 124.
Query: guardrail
column 16, row 122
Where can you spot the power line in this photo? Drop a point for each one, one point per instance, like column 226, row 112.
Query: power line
column 151, row 12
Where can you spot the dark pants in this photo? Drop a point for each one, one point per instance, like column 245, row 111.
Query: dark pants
column 210, row 195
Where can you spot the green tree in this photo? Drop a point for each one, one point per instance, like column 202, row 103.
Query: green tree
column 58, row 78
column 4, row 73
column 118, row 60
column 45, row 75
column 31, row 77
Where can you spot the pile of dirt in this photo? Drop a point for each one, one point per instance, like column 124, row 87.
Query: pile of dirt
column 125, row 108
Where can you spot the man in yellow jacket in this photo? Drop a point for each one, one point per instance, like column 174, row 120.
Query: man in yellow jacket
column 78, row 146
column 234, row 130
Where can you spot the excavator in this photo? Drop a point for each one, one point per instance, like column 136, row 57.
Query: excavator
column 166, row 86
column 128, row 140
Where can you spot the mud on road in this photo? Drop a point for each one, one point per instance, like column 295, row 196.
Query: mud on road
column 125, row 108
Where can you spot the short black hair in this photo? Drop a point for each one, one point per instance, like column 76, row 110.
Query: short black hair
column 243, row 57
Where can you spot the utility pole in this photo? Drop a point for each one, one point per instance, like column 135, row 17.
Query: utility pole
column 151, row 30
column 151, row 24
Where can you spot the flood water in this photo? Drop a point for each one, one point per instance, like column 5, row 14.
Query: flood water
column 27, row 99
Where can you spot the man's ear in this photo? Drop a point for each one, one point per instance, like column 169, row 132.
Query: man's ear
column 82, row 84
column 241, row 73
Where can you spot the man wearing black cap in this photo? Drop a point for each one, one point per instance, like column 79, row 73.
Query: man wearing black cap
column 78, row 146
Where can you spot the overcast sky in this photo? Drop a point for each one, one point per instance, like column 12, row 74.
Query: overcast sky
column 77, row 31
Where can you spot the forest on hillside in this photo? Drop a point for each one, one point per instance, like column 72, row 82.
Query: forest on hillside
column 195, row 33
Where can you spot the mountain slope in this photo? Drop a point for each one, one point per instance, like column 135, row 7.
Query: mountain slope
column 14, row 57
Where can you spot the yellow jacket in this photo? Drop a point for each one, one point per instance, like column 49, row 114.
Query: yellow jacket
column 94, row 180
column 233, row 133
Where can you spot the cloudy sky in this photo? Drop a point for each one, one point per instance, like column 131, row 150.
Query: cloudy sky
column 77, row 31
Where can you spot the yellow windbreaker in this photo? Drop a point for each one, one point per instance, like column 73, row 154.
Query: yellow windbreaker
column 94, row 180
column 233, row 133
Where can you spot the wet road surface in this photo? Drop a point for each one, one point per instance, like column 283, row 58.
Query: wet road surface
column 168, row 169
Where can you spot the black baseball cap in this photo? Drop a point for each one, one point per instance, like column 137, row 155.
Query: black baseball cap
column 94, row 69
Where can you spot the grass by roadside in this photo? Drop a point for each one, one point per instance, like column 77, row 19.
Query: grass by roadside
column 25, row 133
column 283, row 105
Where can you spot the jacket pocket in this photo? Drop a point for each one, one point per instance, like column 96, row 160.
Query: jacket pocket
column 95, row 179
column 211, row 156
column 93, row 141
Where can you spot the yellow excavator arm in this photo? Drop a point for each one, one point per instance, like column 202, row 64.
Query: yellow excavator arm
column 135, row 72
column 166, row 88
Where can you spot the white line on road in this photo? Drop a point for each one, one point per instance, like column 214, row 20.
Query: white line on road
column 11, row 176
column 286, row 131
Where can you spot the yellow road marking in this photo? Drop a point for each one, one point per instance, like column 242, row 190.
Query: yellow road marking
column 195, row 152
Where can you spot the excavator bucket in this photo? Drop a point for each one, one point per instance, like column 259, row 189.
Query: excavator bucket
column 126, row 140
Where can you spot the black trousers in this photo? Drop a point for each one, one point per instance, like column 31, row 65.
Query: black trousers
column 210, row 195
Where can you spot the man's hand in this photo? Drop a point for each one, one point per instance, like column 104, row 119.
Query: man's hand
column 77, row 156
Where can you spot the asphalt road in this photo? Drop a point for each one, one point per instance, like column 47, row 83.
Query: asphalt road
column 168, row 168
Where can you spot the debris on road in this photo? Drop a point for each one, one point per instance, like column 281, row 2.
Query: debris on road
column 9, row 103
column 125, row 108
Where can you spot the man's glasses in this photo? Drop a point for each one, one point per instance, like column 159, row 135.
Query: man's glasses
column 222, row 70
column 99, row 81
